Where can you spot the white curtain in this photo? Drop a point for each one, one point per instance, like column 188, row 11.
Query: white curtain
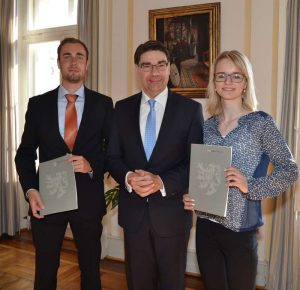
column 94, row 21
column 9, row 189
column 88, row 32
column 285, row 240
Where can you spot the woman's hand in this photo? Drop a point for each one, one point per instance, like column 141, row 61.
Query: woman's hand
column 189, row 202
column 235, row 178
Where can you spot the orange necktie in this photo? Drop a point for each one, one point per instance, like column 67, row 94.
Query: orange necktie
column 71, row 121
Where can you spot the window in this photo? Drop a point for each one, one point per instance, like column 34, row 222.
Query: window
column 42, row 24
column 42, row 66
column 52, row 13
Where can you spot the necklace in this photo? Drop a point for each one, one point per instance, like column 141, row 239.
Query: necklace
column 225, row 127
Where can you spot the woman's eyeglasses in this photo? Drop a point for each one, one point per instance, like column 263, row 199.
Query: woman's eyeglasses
column 234, row 77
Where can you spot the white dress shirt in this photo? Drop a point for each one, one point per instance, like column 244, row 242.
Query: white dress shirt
column 62, row 105
column 160, row 106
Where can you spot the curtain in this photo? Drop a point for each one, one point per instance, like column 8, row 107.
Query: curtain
column 94, row 24
column 88, row 32
column 285, row 240
column 9, row 189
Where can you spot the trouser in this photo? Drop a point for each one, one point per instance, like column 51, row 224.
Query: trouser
column 154, row 262
column 227, row 259
column 48, row 235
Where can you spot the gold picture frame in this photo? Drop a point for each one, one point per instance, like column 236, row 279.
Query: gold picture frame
column 192, row 36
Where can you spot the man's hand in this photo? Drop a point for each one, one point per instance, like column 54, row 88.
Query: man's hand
column 80, row 164
column 189, row 202
column 144, row 183
column 36, row 203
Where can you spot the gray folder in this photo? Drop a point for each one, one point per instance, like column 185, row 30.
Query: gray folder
column 57, row 185
column 207, row 178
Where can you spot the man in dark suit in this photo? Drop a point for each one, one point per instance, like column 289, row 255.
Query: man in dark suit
column 46, row 130
column 148, row 155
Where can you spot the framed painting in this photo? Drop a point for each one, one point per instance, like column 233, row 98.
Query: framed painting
column 192, row 36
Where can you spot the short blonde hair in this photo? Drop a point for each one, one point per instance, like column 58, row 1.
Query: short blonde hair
column 214, row 106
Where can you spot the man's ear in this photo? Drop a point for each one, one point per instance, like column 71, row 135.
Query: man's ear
column 58, row 64
column 136, row 68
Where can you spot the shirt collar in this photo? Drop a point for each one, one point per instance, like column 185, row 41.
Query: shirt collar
column 160, row 98
column 62, row 92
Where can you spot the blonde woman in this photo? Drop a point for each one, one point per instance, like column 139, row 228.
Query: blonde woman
column 227, row 246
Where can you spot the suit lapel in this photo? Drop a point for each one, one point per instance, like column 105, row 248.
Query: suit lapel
column 132, row 126
column 137, row 121
column 52, row 116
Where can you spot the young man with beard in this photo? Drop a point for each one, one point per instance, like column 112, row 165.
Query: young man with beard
column 47, row 128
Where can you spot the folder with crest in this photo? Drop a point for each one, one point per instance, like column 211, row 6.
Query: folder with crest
column 207, row 183
column 57, row 185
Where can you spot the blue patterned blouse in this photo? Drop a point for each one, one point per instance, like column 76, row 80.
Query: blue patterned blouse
column 255, row 141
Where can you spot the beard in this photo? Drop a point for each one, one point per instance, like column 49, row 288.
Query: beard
column 74, row 78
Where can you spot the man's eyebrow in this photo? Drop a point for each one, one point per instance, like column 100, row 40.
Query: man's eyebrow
column 162, row 61
column 77, row 53
column 159, row 62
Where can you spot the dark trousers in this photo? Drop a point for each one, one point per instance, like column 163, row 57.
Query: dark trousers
column 227, row 259
column 48, row 235
column 154, row 262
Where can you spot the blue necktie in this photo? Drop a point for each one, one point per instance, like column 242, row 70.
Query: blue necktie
column 150, row 132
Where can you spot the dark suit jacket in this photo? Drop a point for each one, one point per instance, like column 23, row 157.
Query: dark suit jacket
column 181, row 126
column 41, row 132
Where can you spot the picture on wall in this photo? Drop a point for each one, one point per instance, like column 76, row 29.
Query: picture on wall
column 192, row 36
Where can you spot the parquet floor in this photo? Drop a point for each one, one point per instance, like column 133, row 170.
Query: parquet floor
column 17, row 267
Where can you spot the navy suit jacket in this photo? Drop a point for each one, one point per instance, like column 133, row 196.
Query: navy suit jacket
column 41, row 132
column 181, row 125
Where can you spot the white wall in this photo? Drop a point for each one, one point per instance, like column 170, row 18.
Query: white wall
column 251, row 26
